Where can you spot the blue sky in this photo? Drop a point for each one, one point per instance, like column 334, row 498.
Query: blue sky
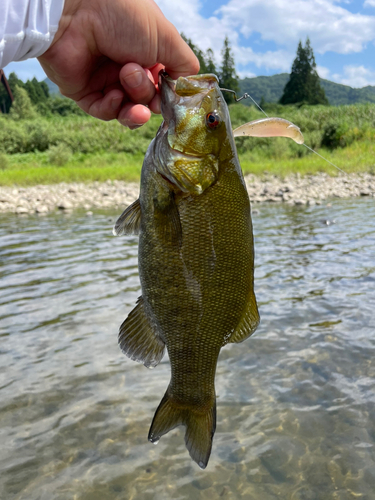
column 265, row 33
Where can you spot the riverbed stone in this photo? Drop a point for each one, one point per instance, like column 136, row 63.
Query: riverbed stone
column 41, row 209
column 292, row 190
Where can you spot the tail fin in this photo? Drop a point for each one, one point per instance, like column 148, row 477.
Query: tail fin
column 200, row 427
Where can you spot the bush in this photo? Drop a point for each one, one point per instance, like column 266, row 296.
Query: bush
column 59, row 155
column 336, row 136
column 64, row 107
column 3, row 161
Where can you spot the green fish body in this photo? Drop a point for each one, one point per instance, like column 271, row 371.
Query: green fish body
column 196, row 256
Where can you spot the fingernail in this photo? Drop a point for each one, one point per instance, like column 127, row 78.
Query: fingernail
column 115, row 103
column 130, row 125
column 134, row 79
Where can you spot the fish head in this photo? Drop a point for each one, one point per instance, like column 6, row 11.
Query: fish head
column 197, row 130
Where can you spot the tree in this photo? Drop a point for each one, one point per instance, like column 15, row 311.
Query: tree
column 210, row 61
column 6, row 94
column 304, row 85
column 206, row 59
column 228, row 76
column 199, row 53
column 22, row 107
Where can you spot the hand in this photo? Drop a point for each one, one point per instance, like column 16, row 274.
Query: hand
column 106, row 56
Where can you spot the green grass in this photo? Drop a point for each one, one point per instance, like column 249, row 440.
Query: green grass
column 33, row 168
column 359, row 157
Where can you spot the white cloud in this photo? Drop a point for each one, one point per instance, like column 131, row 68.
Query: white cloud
column 246, row 74
column 356, row 76
column 323, row 72
column 369, row 3
column 329, row 26
column 278, row 60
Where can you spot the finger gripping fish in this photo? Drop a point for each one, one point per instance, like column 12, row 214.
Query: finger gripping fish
column 196, row 256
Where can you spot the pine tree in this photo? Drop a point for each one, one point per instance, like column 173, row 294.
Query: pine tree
column 210, row 61
column 303, row 85
column 14, row 82
column 228, row 76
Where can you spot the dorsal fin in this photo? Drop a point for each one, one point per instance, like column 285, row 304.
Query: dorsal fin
column 129, row 221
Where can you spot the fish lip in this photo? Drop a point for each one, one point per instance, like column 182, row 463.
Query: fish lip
column 169, row 98
column 164, row 77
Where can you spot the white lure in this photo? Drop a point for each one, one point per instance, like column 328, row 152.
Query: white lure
column 270, row 127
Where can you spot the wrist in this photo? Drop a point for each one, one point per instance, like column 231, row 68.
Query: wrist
column 70, row 9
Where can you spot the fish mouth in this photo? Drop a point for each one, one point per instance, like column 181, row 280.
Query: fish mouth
column 174, row 91
column 169, row 98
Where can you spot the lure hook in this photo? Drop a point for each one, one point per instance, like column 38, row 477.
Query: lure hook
column 245, row 96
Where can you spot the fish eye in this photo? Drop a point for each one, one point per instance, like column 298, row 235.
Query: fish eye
column 213, row 120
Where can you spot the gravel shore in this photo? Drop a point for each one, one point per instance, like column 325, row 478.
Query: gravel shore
column 294, row 190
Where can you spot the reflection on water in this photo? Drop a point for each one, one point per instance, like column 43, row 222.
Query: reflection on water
column 296, row 402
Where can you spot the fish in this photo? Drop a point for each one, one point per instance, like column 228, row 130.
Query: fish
column 195, row 254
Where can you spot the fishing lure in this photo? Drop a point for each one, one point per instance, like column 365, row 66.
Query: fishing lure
column 272, row 127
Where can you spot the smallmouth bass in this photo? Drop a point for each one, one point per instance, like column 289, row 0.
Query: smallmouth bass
column 196, row 256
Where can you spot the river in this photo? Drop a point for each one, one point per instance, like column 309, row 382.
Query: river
column 296, row 401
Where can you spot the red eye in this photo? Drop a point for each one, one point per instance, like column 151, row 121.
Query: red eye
column 212, row 120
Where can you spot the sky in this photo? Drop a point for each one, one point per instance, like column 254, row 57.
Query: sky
column 264, row 35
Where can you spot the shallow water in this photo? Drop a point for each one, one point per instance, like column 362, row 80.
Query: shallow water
column 296, row 401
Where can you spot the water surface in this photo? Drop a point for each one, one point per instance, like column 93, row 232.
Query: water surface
column 296, row 401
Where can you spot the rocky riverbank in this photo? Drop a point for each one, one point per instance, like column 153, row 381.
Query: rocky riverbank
column 294, row 190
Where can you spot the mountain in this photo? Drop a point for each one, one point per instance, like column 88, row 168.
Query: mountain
column 52, row 87
column 271, row 88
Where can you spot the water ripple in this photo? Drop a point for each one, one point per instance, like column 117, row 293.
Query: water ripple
column 296, row 402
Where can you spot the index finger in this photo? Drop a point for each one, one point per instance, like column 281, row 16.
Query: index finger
column 176, row 55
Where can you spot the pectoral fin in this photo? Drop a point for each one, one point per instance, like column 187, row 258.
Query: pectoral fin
column 166, row 217
column 129, row 221
column 270, row 127
column 139, row 339
column 248, row 324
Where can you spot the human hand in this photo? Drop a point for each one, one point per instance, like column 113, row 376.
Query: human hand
column 106, row 56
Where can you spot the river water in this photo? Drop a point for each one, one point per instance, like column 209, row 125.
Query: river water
column 296, row 401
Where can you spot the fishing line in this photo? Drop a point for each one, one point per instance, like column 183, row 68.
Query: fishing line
column 248, row 96
column 324, row 159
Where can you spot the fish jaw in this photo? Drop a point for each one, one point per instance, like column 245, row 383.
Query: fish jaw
column 188, row 147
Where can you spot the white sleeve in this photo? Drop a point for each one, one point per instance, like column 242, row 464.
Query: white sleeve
column 27, row 28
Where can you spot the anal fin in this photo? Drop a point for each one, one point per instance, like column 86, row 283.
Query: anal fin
column 129, row 221
column 248, row 324
column 138, row 338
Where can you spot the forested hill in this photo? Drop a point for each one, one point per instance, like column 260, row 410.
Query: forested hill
column 52, row 87
column 271, row 88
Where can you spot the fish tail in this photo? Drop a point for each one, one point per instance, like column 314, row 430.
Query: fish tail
column 200, row 427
